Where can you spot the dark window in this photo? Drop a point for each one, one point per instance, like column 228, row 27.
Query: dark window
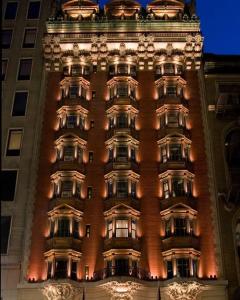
column 88, row 228
column 122, row 267
column 11, row 11
column 49, row 270
column 134, row 229
column 74, row 270
column 14, row 142
column 91, row 124
column 93, row 94
column 63, row 227
column 61, row 269
column 6, row 38
column 8, row 181
column 71, row 121
column 122, row 153
column 180, row 227
column 25, row 66
column 89, row 192
column 75, row 229
column 33, row 10
column 169, row 269
column 90, row 157
column 5, row 232
column 183, row 267
column 171, row 90
column 122, row 188
column 177, row 187
column 232, row 148
column 122, row 120
column 110, row 189
column 168, row 230
column 175, row 151
column 29, row 37
column 4, row 69
column 169, row 69
column 20, row 102
column 74, row 91
column 133, row 189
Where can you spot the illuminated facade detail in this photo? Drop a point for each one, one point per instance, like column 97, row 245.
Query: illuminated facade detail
column 60, row 291
column 184, row 291
column 121, row 290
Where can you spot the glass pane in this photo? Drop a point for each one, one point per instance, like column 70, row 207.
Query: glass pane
column 25, row 69
column 20, row 102
column 6, row 38
column 29, row 38
column 8, row 180
column 11, row 11
column 4, row 68
column 14, row 142
column 33, row 10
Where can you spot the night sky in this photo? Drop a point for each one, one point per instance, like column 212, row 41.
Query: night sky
column 220, row 24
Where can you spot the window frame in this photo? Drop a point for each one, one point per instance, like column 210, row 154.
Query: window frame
column 5, row 75
column 8, row 140
column 13, row 102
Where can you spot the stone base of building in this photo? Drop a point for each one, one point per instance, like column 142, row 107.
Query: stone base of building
column 124, row 288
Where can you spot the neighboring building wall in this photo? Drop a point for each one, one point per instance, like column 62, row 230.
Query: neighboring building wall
column 26, row 162
column 221, row 117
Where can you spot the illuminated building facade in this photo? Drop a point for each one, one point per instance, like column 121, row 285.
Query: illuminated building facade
column 122, row 204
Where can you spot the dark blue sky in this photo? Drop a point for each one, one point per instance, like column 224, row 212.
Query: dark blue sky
column 220, row 24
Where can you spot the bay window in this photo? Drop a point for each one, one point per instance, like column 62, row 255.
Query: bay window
column 63, row 227
column 122, row 188
column 166, row 189
column 183, row 268
column 175, row 151
column 177, row 187
column 121, row 228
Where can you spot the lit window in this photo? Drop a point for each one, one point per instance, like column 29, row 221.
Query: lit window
column 121, row 228
column 110, row 229
column 5, row 233
column 8, row 181
column 14, row 142
column 25, row 66
column 33, row 10
column 29, row 37
column 134, row 229
column 166, row 189
column 6, row 38
column 164, row 154
column 11, row 11
column 4, row 69
column 20, row 102
column 173, row 119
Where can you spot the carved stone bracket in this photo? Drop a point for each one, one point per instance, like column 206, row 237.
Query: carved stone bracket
column 60, row 291
column 193, row 50
column 52, row 52
column 121, row 290
column 184, row 290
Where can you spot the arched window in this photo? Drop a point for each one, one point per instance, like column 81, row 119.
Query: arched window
column 232, row 148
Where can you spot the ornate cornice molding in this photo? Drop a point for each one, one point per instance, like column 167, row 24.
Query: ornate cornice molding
column 60, row 291
column 184, row 290
column 121, row 290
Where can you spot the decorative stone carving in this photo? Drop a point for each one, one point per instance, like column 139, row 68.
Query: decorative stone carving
column 184, row 290
column 60, row 291
column 121, row 290
column 52, row 52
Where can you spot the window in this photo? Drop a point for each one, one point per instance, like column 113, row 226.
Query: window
column 67, row 187
column 166, row 189
column 71, row 121
column 173, row 118
column 110, row 229
column 134, row 229
column 49, row 269
column 91, row 124
column 122, row 69
column 168, row 230
column 89, row 192
column 164, row 154
column 183, row 267
column 175, row 151
column 24, row 71
column 68, row 153
column 63, row 228
column 122, row 188
column 90, row 157
column 169, row 68
column 93, row 94
column 88, row 229
column 76, row 69
column 4, row 69
column 122, row 89
column 14, row 142
column 73, row 91
column 20, row 102
column 61, row 269
column 74, row 270
column 122, row 153
column 33, row 10
column 133, row 189
column 133, row 154
column 177, row 187
column 110, row 189
column 8, row 181
column 232, row 146
column 75, row 229
column 171, row 90
column 5, row 232
column 6, row 38
column 121, row 228
column 169, row 266
column 110, row 155
column 122, row 120
column 11, row 11
column 180, row 227
column 29, row 38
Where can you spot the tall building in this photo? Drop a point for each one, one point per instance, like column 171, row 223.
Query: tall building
column 113, row 191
